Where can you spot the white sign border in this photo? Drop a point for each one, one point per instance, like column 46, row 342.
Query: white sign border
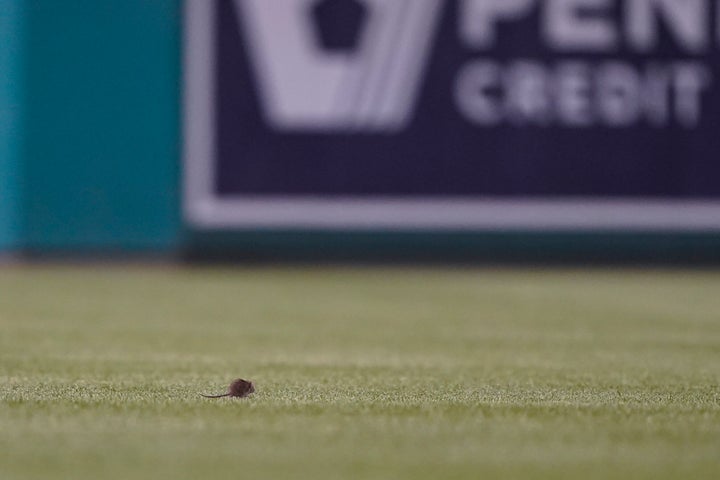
column 204, row 209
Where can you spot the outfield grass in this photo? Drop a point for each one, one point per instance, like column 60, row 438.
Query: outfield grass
column 360, row 373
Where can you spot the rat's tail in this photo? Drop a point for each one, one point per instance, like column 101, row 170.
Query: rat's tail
column 214, row 396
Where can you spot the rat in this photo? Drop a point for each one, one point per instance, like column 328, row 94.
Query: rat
column 238, row 388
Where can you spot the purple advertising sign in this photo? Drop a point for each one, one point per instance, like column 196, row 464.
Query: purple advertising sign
column 453, row 115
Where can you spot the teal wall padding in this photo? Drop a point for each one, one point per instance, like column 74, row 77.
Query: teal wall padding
column 101, row 164
column 10, row 118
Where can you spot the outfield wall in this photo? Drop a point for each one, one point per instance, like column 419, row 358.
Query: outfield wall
column 89, row 131
column 10, row 122
column 92, row 159
column 101, row 132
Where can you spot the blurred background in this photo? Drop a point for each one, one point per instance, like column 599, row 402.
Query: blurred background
column 346, row 129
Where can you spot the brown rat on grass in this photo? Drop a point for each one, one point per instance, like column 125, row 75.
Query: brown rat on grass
column 238, row 388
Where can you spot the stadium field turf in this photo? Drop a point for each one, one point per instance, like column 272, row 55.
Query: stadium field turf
column 361, row 373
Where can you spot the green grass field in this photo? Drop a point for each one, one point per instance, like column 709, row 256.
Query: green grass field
column 361, row 373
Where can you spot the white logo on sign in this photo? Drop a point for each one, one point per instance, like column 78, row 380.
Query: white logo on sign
column 306, row 87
